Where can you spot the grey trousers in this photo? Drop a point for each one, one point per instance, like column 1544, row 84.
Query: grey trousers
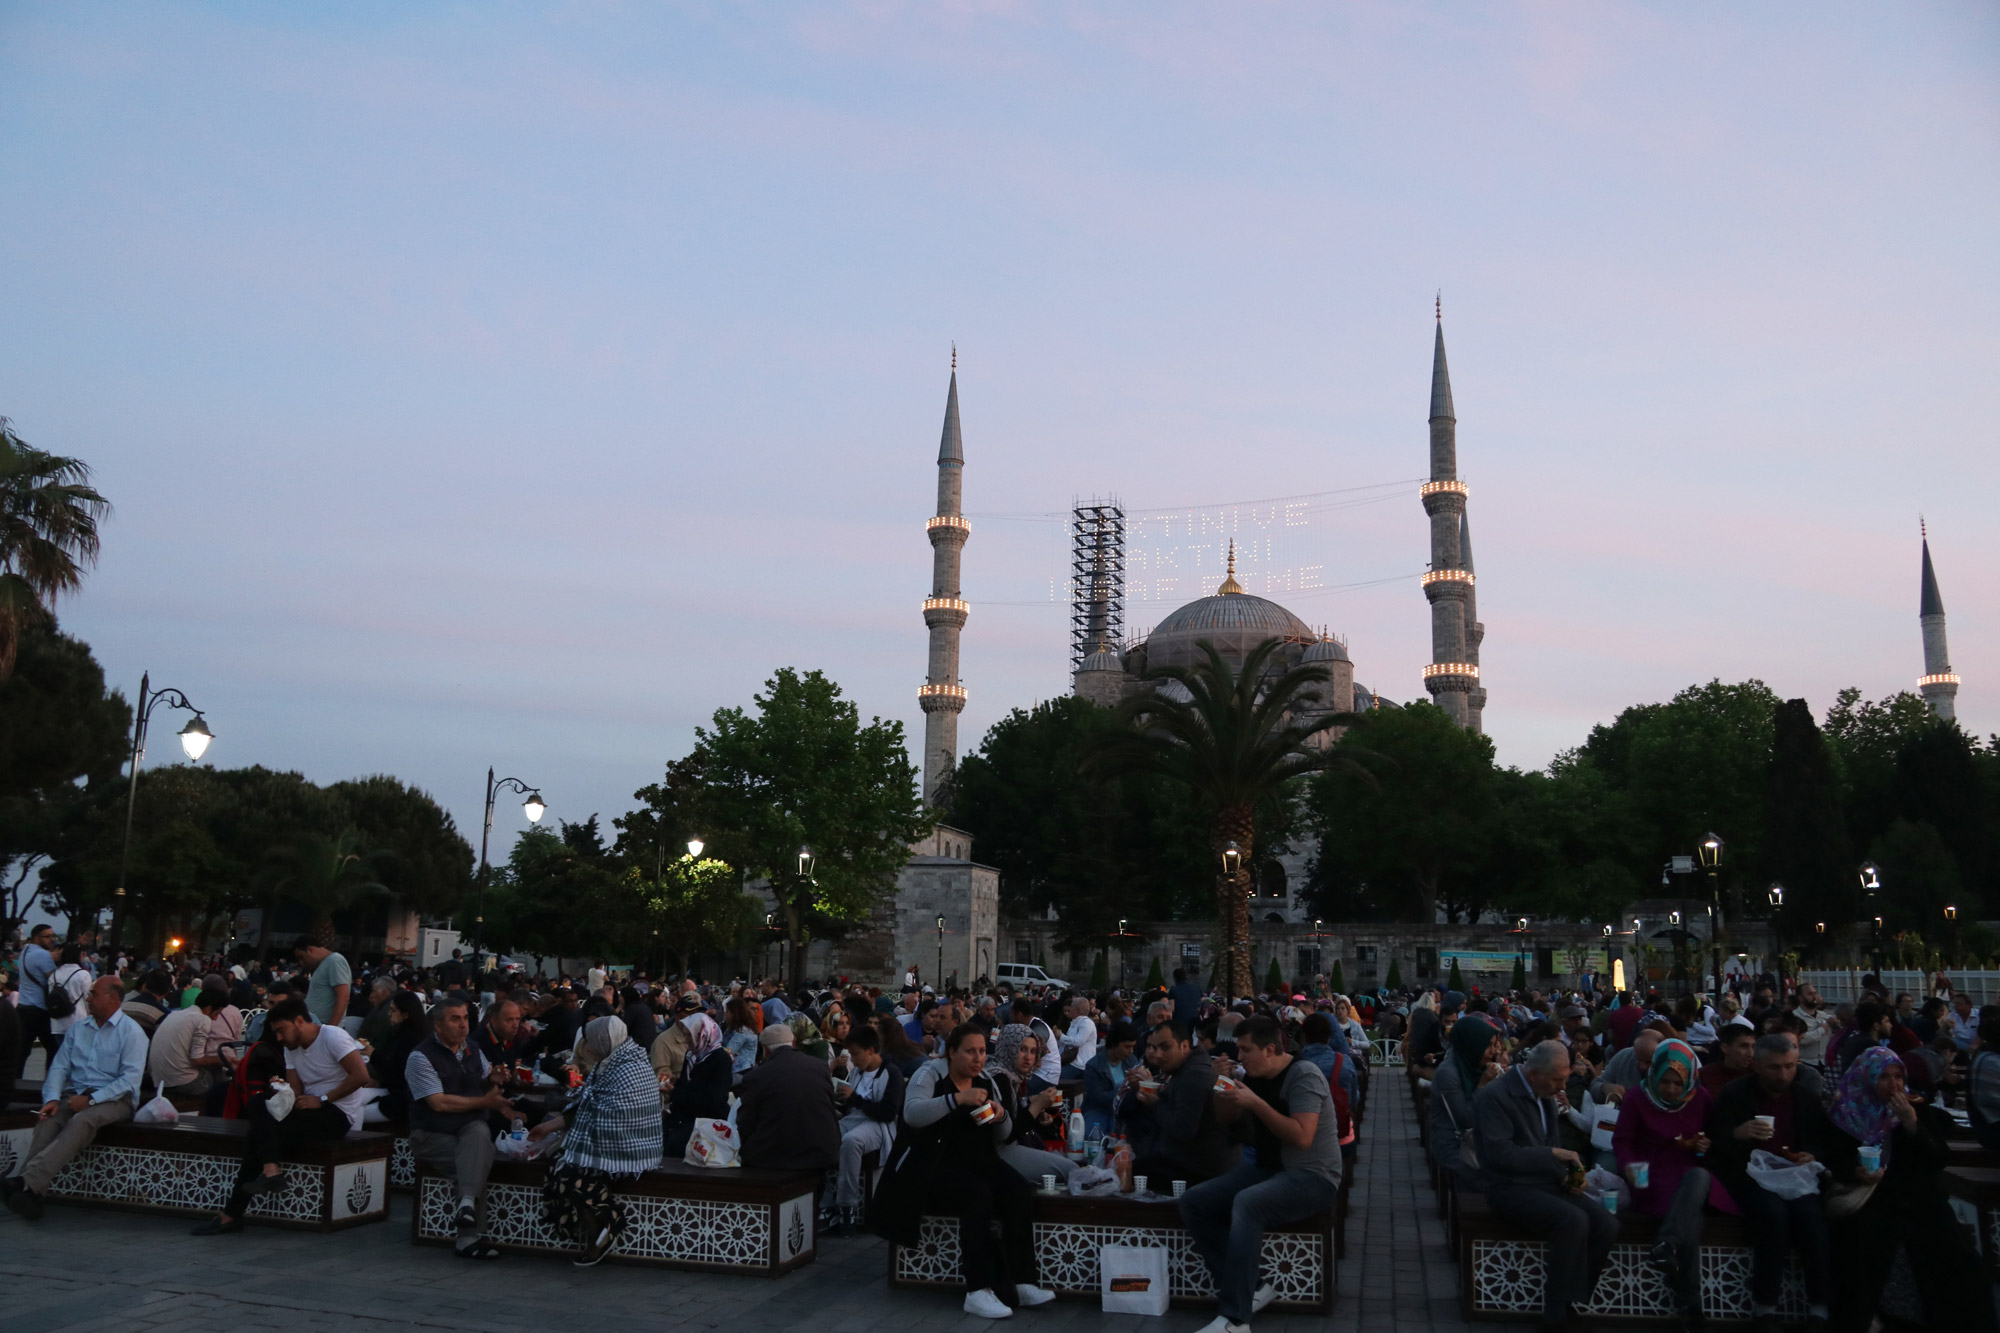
column 1682, row 1226
column 468, row 1155
column 1228, row 1216
column 65, row 1134
column 1034, row 1163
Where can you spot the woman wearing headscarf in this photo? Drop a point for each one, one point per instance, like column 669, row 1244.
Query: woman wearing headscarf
column 1901, row 1204
column 1662, row 1128
column 701, row 1090
column 1472, row 1060
column 614, row 1132
column 408, row 1026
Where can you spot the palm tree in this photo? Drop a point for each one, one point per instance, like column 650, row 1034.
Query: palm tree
column 327, row 874
column 1234, row 738
column 48, row 534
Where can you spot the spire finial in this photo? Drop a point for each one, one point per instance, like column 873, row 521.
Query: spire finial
column 954, row 357
column 1230, row 587
column 1922, row 531
column 1440, row 305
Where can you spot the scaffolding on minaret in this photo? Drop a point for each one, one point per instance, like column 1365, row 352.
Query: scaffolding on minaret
column 1097, row 578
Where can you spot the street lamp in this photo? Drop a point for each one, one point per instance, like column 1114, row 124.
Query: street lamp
column 1776, row 894
column 806, row 862
column 940, row 966
column 534, row 808
column 1710, row 852
column 1232, row 865
column 694, row 847
column 195, row 737
column 1871, row 877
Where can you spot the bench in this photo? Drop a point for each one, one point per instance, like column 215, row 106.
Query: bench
column 1975, row 1198
column 735, row 1220
column 1501, row 1271
column 189, row 1167
column 1298, row 1258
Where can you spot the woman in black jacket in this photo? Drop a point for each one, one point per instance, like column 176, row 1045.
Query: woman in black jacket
column 946, row 1162
column 1901, row 1203
column 387, row 1063
column 701, row 1090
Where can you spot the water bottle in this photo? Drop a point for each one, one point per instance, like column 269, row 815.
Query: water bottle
column 1075, row 1135
column 1093, row 1148
column 519, row 1132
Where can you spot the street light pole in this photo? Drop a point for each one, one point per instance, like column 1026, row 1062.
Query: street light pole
column 940, row 958
column 195, row 737
column 1711, row 860
column 532, row 807
column 1239, row 947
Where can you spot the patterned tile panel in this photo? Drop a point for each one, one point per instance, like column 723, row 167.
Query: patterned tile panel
column 192, row 1183
column 402, row 1164
column 1507, row 1278
column 662, row 1230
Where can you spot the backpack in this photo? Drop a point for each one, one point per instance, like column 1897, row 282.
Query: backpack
column 55, row 993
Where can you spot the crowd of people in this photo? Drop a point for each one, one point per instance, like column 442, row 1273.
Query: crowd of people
column 912, row 1103
column 1824, row 1127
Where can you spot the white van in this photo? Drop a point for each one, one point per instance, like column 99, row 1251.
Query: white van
column 1018, row 975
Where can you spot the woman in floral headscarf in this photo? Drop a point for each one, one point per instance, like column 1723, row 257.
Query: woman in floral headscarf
column 1662, row 1124
column 1901, row 1204
column 702, row 1090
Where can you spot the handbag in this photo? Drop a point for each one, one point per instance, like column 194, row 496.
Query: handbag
column 1468, row 1149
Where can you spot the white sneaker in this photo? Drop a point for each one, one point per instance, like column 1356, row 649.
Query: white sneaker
column 1263, row 1296
column 986, row 1305
column 1028, row 1297
column 1221, row 1325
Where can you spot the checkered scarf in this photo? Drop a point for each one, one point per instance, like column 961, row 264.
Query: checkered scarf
column 615, row 1119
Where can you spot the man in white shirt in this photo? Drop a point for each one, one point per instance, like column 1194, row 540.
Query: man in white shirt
column 180, row 1063
column 329, row 1081
column 1079, row 1043
column 598, row 977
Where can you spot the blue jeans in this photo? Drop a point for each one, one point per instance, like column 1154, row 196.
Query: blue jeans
column 1228, row 1216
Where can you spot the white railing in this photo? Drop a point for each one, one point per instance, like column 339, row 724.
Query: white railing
column 1844, row 985
column 1386, row 1051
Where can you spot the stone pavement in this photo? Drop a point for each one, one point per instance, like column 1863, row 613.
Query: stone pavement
column 90, row 1268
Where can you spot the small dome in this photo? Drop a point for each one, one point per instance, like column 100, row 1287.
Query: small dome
column 1326, row 650
column 1103, row 660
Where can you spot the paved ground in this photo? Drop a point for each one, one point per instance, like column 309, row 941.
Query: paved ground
column 87, row 1268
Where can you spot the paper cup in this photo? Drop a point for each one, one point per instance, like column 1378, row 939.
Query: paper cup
column 1642, row 1175
column 1871, row 1157
column 1138, row 1184
column 984, row 1113
column 1611, row 1201
column 1180, row 1188
column 1049, row 1182
column 1769, row 1120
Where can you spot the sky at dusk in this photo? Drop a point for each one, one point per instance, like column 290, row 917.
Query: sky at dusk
column 516, row 385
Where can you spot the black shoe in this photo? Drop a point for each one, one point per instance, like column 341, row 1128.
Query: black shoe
column 26, row 1202
column 468, row 1213
column 1665, row 1257
column 218, row 1226
column 479, row 1249
column 594, row 1252
column 277, row 1184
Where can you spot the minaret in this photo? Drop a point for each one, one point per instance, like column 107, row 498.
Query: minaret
column 1475, row 699
column 942, row 698
column 1939, row 683
column 1454, row 672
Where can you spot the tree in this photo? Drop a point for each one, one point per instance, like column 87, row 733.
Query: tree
column 1233, row 738
column 1100, row 972
column 419, row 853
column 1274, row 980
column 326, row 874
column 62, row 734
column 1806, row 846
column 1155, row 979
column 1407, row 822
column 560, row 896
column 1920, row 879
column 1455, row 980
column 693, row 907
column 802, row 772
column 48, row 534
column 1394, row 981
column 1337, row 980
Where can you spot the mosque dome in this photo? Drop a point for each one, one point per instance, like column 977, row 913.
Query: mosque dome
column 1231, row 619
column 1103, row 660
column 1326, row 650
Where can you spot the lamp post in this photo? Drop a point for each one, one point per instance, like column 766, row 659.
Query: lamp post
column 1232, row 866
column 1710, row 852
column 195, row 737
column 1870, row 876
column 940, row 960
column 1951, row 926
column 533, row 808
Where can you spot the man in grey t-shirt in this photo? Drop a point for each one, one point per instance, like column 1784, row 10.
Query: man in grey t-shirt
column 1289, row 1111
column 332, row 979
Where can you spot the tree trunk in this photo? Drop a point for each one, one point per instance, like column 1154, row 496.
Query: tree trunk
column 1232, row 900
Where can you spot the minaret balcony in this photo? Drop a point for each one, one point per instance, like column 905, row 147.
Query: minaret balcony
column 1448, row 576
column 1450, row 585
column 1942, row 678
column 950, row 611
column 947, row 528
column 941, row 698
column 1443, row 497
column 1451, row 677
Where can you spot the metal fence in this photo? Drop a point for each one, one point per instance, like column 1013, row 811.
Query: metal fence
column 1844, row 985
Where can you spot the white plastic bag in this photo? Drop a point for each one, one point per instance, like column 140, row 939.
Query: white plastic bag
column 281, row 1101
column 1085, row 1181
column 507, row 1148
column 159, row 1111
column 713, row 1143
column 1598, row 1182
column 1785, row 1179
column 1133, row 1279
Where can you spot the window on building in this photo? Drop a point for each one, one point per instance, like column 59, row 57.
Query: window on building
column 1024, row 951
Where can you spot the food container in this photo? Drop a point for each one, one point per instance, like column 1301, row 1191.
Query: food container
column 1870, row 1156
column 985, row 1113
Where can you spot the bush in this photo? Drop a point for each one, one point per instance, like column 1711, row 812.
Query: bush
column 1337, row 979
column 1395, row 978
column 1100, row 972
column 1456, row 981
column 1155, row 979
column 1274, row 980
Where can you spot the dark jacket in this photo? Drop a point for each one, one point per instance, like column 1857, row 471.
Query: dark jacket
column 787, row 1118
column 1182, row 1125
column 700, row 1093
column 1729, row 1156
column 884, row 1109
column 461, row 1075
column 941, row 1129
column 1514, row 1132
column 1450, row 1112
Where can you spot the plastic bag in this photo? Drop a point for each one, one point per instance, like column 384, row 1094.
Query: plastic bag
column 713, row 1143
column 1133, row 1279
column 281, row 1101
column 1092, row 1180
column 1785, row 1179
column 507, row 1148
column 1597, row 1182
column 159, row 1111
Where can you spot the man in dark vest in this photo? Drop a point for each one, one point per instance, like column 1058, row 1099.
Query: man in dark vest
column 452, row 1093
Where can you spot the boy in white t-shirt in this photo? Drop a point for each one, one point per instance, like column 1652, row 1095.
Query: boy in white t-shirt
column 328, row 1078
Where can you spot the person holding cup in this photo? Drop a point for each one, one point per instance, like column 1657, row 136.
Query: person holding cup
column 1888, row 1157
column 1659, row 1142
column 1769, row 1111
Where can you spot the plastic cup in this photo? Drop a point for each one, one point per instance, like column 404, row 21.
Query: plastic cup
column 1611, row 1201
column 1180, row 1188
column 1642, row 1175
column 1138, row 1184
column 1768, row 1120
column 1049, row 1182
column 1871, row 1157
